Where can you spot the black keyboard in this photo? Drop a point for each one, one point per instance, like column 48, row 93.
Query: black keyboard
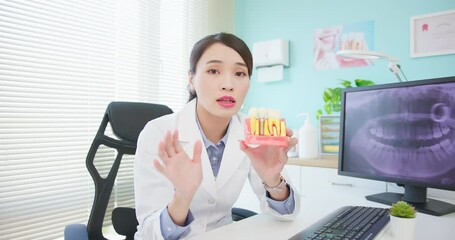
column 350, row 222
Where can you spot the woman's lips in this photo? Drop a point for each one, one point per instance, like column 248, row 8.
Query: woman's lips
column 226, row 101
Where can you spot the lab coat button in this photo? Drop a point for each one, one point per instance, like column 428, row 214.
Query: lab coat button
column 211, row 201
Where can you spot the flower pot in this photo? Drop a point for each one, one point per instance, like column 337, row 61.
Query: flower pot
column 402, row 228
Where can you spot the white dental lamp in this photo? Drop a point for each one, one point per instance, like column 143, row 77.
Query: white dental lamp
column 370, row 55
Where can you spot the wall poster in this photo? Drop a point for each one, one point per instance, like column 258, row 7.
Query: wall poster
column 327, row 41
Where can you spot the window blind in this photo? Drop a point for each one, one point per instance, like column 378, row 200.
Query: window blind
column 61, row 63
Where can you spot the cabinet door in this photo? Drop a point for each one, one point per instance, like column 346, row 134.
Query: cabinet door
column 326, row 181
column 323, row 191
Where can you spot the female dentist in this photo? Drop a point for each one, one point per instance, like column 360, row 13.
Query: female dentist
column 191, row 166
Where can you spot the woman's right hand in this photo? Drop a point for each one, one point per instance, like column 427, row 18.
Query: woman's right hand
column 184, row 173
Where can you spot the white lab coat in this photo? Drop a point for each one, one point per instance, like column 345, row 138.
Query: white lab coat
column 212, row 203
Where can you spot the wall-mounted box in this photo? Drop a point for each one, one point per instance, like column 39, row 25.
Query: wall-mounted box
column 270, row 53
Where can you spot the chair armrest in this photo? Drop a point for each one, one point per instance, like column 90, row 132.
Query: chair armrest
column 76, row 232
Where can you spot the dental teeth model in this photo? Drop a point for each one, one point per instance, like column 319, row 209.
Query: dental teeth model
column 265, row 127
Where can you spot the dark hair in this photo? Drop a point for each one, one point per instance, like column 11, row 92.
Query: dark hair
column 227, row 39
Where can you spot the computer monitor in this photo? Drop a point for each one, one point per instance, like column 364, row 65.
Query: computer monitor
column 402, row 133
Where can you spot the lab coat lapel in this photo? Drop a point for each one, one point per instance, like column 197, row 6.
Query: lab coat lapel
column 188, row 134
column 232, row 155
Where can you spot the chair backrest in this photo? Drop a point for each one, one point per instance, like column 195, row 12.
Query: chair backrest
column 127, row 119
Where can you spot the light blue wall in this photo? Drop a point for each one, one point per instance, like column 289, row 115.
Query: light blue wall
column 296, row 20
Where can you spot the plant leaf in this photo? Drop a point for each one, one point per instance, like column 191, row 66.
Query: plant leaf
column 337, row 95
column 328, row 93
column 318, row 113
column 332, row 96
column 328, row 108
column 336, row 107
column 363, row 82
column 345, row 83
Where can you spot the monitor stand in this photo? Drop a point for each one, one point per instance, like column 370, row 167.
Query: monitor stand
column 431, row 206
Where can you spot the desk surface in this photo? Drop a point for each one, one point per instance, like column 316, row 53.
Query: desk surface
column 326, row 161
column 313, row 208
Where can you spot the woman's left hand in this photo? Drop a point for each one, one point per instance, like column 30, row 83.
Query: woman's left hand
column 268, row 161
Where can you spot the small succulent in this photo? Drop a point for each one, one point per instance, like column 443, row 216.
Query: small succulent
column 402, row 209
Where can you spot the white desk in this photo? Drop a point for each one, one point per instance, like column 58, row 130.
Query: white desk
column 315, row 207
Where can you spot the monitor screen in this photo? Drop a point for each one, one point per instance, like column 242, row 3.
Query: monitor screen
column 402, row 133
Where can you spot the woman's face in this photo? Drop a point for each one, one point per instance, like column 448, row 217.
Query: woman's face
column 221, row 81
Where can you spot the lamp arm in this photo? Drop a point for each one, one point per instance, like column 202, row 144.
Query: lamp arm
column 402, row 73
column 394, row 68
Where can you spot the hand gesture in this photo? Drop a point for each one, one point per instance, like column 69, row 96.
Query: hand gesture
column 268, row 161
column 184, row 173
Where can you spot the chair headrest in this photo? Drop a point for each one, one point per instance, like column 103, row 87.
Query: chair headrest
column 129, row 118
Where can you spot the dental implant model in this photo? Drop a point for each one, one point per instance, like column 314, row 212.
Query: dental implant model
column 265, row 127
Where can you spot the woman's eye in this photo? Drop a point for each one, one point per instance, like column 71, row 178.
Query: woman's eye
column 240, row 74
column 212, row 71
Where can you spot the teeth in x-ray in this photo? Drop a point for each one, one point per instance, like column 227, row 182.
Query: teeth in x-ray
column 402, row 132
column 436, row 148
column 445, row 129
column 436, row 131
column 374, row 145
column 445, row 143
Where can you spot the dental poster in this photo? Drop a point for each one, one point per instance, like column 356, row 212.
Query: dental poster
column 327, row 41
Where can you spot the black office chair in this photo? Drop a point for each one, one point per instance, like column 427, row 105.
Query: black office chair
column 240, row 214
column 127, row 119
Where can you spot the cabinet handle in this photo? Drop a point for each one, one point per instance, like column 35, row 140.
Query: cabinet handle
column 341, row 184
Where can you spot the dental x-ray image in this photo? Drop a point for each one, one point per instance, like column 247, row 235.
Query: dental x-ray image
column 406, row 133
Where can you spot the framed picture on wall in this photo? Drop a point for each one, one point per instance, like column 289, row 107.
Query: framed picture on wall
column 433, row 34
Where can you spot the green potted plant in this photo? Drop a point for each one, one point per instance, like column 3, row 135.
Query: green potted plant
column 402, row 209
column 402, row 220
column 332, row 96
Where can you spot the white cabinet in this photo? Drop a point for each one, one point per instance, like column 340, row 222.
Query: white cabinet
column 316, row 180
column 325, row 183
